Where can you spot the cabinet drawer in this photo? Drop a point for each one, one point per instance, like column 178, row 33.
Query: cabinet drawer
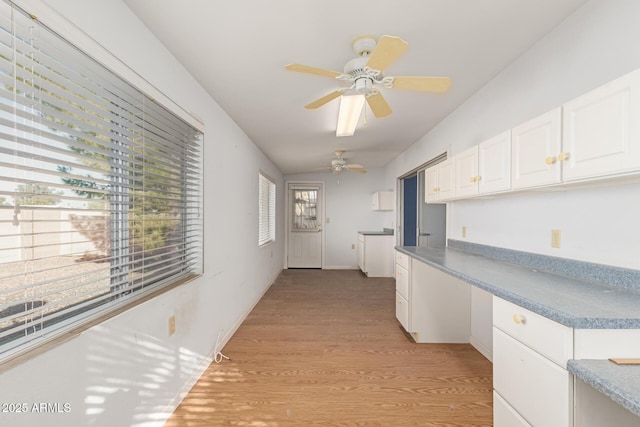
column 402, row 311
column 538, row 389
column 504, row 415
column 402, row 281
column 402, row 260
column 547, row 337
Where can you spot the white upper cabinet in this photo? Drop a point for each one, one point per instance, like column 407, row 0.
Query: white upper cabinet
column 382, row 201
column 494, row 164
column 484, row 168
column 601, row 131
column 439, row 182
column 534, row 149
column 466, row 173
column 593, row 137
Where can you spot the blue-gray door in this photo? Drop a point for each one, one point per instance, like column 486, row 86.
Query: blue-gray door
column 410, row 210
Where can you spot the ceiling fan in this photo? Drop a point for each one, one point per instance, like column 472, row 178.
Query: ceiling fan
column 339, row 164
column 365, row 74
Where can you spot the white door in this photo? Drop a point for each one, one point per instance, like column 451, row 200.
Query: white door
column 305, row 226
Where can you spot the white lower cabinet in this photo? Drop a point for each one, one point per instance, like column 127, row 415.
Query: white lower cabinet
column 535, row 387
column 434, row 307
column 403, row 265
column 529, row 367
column 375, row 255
column 402, row 311
column 505, row 415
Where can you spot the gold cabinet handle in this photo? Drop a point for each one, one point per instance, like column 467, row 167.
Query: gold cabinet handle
column 478, row 178
column 519, row 319
column 551, row 160
column 563, row 156
column 472, row 179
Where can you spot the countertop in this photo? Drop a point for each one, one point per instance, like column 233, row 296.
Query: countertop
column 573, row 301
column 383, row 232
column 620, row 382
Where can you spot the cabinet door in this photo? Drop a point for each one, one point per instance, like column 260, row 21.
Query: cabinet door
column 402, row 311
column 534, row 149
column 538, row 389
column 601, row 130
column 375, row 201
column 402, row 281
column 446, row 180
column 494, row 164
column 466, row 173
column 431, row 184
column 504, row 415
column 361, row 255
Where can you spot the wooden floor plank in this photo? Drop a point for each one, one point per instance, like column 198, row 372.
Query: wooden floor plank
column 323, row 348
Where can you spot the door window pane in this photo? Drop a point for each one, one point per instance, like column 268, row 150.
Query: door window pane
column 304, row 210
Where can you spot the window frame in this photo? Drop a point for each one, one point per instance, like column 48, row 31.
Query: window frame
column 266, row 209
column 136, row 293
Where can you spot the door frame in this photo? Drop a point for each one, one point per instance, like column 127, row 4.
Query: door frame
column 321, row 192
column 400, row 195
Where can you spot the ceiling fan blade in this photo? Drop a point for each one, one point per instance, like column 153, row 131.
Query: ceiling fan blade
column 424, row 84
column 311, row 70
column 355, row 168
column 387, row 50
column 378, row 105
column 320, row 102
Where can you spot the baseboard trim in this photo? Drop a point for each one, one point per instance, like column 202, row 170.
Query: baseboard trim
column 340, row 267
column 486, row 352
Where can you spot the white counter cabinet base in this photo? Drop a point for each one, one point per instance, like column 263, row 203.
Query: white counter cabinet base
column 375, row 254
column 545, row 356
column 434, row 307
column 530, row 355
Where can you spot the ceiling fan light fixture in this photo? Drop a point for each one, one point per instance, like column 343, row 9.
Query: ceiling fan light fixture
column 349, row 114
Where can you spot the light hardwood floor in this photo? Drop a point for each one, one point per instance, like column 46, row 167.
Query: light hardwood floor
column 323, row 347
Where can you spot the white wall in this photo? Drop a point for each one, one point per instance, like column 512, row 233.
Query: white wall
column 596, row 44
column 128, row 371
column 348, row 207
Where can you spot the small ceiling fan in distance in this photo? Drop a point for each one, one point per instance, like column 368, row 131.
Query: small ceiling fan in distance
column 339, row 164
column 364, row 74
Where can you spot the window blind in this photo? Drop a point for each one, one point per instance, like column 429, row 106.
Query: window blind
column 266, row 210
column 100, row 187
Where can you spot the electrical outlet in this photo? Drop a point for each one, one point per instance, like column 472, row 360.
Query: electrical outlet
column 464, row 231
column 556, row 238
column 172, row 325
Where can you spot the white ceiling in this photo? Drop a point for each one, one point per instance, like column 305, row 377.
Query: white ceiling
column 237, row 50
